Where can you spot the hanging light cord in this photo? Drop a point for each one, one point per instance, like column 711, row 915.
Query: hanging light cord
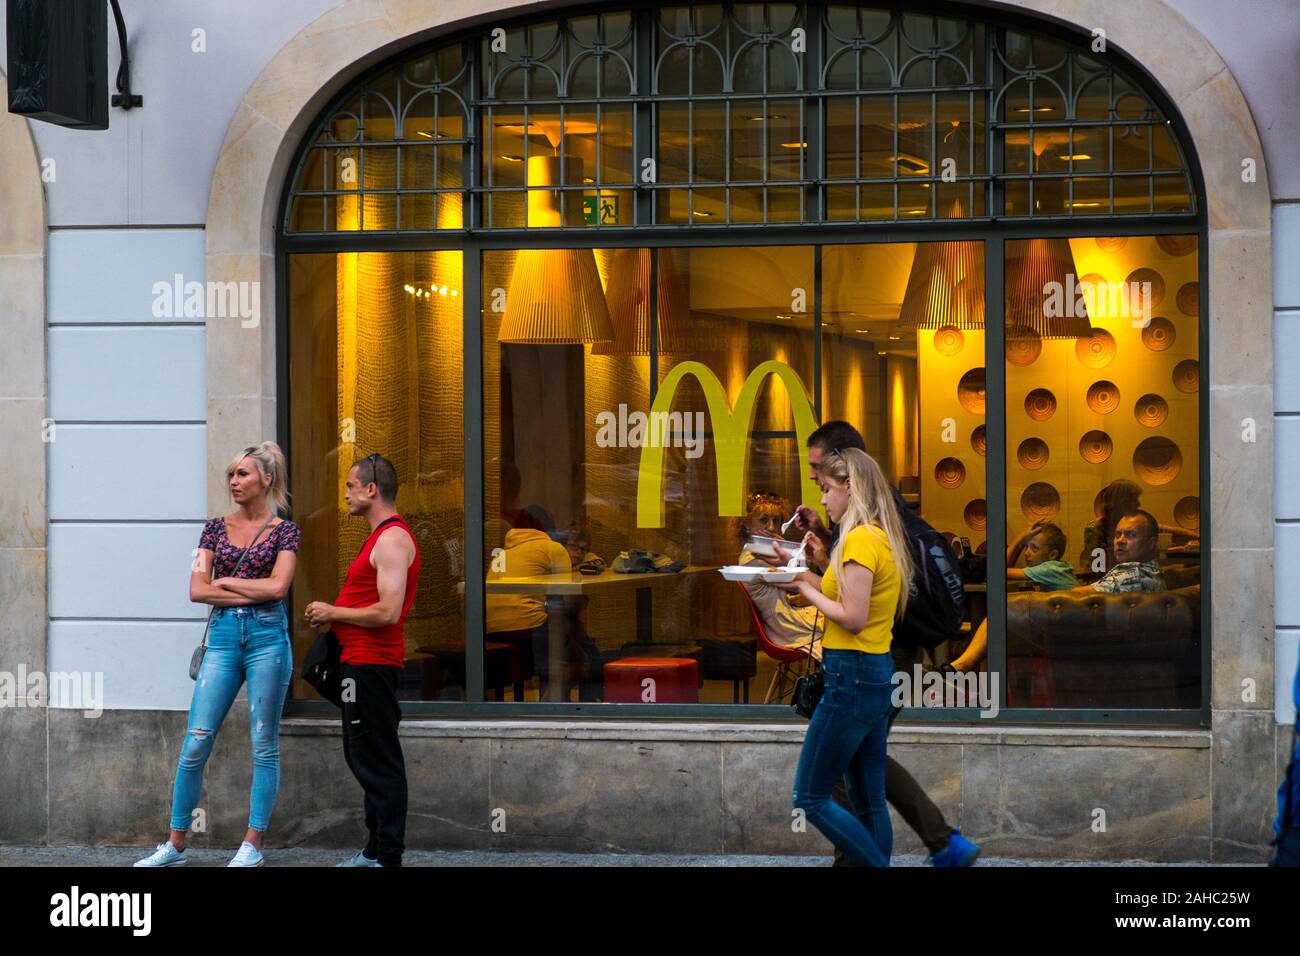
column 123, row 97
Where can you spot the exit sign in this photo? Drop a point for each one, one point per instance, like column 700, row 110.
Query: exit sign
column 600, row 210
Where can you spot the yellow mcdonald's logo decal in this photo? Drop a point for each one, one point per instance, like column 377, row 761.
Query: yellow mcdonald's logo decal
column 731, row 431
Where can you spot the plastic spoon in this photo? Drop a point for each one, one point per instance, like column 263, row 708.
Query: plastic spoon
column 786, row 527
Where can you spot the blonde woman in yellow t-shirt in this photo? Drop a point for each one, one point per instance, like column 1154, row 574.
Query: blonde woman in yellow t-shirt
column 861, row 595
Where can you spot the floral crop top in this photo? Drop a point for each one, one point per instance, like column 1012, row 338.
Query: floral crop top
column 284, row 536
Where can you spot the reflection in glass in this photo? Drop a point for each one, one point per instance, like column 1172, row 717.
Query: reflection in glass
column 376, row 367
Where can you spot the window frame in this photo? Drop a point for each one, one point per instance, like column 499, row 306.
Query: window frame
column 992, row 231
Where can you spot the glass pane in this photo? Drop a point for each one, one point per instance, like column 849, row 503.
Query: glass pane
column 1103, row 480
column 674, row 131
column 903, row 361
column 570, row 438
column 354, row 391
column 841, row 138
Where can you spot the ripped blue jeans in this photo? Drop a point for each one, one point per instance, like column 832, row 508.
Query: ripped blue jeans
column 244, row 643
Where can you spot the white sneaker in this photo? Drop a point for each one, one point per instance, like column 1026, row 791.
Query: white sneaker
column 359, row 859
column 165, row 855
column 248, row 855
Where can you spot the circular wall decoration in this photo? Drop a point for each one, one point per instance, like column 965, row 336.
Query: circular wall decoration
column 1188, row 513
column 948, row 340
column 1095, row 447
column 1032, row 454
column 1096, row 349
column 949, row 473
column 1151, row 410
column 1093, row 289
column 1176, row 246
column 1103, row 397
column 1159, row 334
column 1187, row 376
column 976, row 515
column 970, row 391
column 1040, row 404
column 1024, row 345
column 1189, row 298
column 1134, row 295
column 1111, row 243
column 1040, row 502
column 979, row 440
column 1157, row 461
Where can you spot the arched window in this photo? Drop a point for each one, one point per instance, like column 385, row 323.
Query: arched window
column 591, row 281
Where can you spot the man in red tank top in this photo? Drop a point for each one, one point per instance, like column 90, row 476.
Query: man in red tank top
column 368, row 618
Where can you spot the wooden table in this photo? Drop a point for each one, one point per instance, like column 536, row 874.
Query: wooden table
column 573, row 584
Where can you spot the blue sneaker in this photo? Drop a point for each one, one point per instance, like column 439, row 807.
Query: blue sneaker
column 959, row 851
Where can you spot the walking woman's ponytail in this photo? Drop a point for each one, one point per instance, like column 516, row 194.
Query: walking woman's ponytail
column 871, row 502
column 270, row 461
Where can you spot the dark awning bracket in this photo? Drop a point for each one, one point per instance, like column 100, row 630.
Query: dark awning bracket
column 123, row 97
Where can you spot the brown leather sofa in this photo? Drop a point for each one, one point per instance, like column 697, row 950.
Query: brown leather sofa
column 1094, row 650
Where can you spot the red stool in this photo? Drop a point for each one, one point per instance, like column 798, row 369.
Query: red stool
column 674, row 680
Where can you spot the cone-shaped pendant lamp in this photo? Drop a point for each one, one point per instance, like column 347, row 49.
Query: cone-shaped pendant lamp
column 554, row 296
column 628, row 295
column 946, row 285
column 1040, row 288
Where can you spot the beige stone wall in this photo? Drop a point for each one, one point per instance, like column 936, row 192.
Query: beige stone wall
column 22, row 467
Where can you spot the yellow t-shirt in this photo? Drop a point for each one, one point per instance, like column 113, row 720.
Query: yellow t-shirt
column 866, row 545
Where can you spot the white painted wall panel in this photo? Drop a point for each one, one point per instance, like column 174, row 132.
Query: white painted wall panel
column 108, row 275
column 1286, row 465
column 1286, row 654
column 145, row 664
column 1286, row 360
column 128, row 473
column 1286, row 571
column 1286, row 258
column 129, row 374
column 123, row 570
column 154, row 165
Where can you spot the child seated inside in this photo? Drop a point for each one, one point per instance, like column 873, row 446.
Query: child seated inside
column 785, row 623
column 1041, row 544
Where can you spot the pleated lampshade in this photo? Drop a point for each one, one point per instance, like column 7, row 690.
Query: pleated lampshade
column 1029, row 278
column 555, row 297
column 946, row 287
column 628, row 295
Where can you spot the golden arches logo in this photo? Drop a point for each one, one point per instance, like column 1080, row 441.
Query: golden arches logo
column 731, row 430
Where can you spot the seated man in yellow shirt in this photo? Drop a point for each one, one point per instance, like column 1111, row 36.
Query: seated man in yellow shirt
column 531, row 550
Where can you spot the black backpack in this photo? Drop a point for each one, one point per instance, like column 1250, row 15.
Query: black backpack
column 936, row 600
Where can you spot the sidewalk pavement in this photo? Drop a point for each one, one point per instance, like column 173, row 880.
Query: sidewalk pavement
column 298, row 856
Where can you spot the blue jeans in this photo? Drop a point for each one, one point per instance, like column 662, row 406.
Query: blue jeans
column 244, row 643
column 846, row 739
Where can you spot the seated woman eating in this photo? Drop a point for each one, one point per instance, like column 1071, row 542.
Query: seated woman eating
column 788, row 620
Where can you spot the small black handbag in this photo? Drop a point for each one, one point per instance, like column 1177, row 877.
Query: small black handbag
column 322, row 668
column 809, row 687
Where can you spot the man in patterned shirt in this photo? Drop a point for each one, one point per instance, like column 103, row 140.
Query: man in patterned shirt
column 1136, row 568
